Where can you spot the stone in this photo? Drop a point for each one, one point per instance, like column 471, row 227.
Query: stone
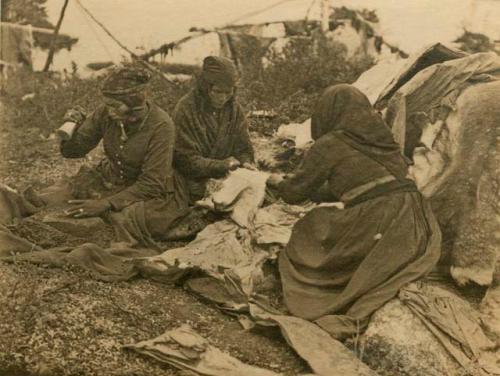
column 396, row 342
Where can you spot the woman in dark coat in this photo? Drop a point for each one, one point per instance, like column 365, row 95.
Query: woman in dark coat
column 136, row 186
column 342, row 265
column 212, row 132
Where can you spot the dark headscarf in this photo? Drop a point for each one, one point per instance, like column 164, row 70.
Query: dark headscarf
column 345, row 112
column 219, row 71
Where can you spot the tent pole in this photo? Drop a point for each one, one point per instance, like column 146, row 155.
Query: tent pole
column 325, row 16
column 50, row 56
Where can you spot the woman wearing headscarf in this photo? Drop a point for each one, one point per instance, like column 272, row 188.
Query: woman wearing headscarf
column 342, row 265
column 137, row 187
column 212, row 132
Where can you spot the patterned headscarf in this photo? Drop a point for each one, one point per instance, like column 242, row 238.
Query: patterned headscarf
column 125, row 80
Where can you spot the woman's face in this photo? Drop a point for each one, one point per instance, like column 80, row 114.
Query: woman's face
column 219, row 95
column 117, row 109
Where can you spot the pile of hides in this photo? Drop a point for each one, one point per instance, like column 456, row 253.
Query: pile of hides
column 231, row 254
column 240, row 194
column 299, row 133
column 446, row 118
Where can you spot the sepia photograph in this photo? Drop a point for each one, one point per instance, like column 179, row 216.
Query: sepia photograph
column 250, row 188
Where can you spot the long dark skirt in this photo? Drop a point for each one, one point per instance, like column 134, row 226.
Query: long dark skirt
column 139, row 224
column 342, row 265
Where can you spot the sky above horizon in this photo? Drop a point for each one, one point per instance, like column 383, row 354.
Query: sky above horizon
column 409, row 24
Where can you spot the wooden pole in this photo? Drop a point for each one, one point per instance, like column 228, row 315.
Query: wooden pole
column 325, row 16
column 52, row 48
column 33, row 28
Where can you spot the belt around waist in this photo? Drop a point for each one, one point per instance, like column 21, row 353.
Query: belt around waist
column 360, row 189
column 380, row 189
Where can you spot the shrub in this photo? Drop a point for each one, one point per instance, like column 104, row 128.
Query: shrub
column 294, row 78
column 288, row 86
column 475, row 42
column 55, row 93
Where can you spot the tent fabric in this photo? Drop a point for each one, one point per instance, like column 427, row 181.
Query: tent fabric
column 16, row 45
column 434, row 54
column 433, row 92
column 244, row 49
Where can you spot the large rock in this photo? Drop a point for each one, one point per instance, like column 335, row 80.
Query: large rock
column 397, row 343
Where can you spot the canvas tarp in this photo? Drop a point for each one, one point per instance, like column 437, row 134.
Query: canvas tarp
column 185, row 349
column 430, row 55
column 325, row 355
column 431, row 94
column 16, row 43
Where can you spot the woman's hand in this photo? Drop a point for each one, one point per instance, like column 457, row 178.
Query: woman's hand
column 274, row 179
column 231, row 163
column 87, row 208
column 249, row 166
column 76, row 114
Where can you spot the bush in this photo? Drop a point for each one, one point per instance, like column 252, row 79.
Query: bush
column 289, row 86
column 475, row 42
column 295, row 78
column 55, row 93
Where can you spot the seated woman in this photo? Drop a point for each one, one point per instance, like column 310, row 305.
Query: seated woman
column 138, row 190
column 212, row 132
column 342, row 265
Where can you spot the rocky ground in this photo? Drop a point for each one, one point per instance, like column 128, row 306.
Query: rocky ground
column 62, row 322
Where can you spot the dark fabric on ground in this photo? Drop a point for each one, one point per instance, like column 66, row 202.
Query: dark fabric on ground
column 342, row 265
column 335, row 264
